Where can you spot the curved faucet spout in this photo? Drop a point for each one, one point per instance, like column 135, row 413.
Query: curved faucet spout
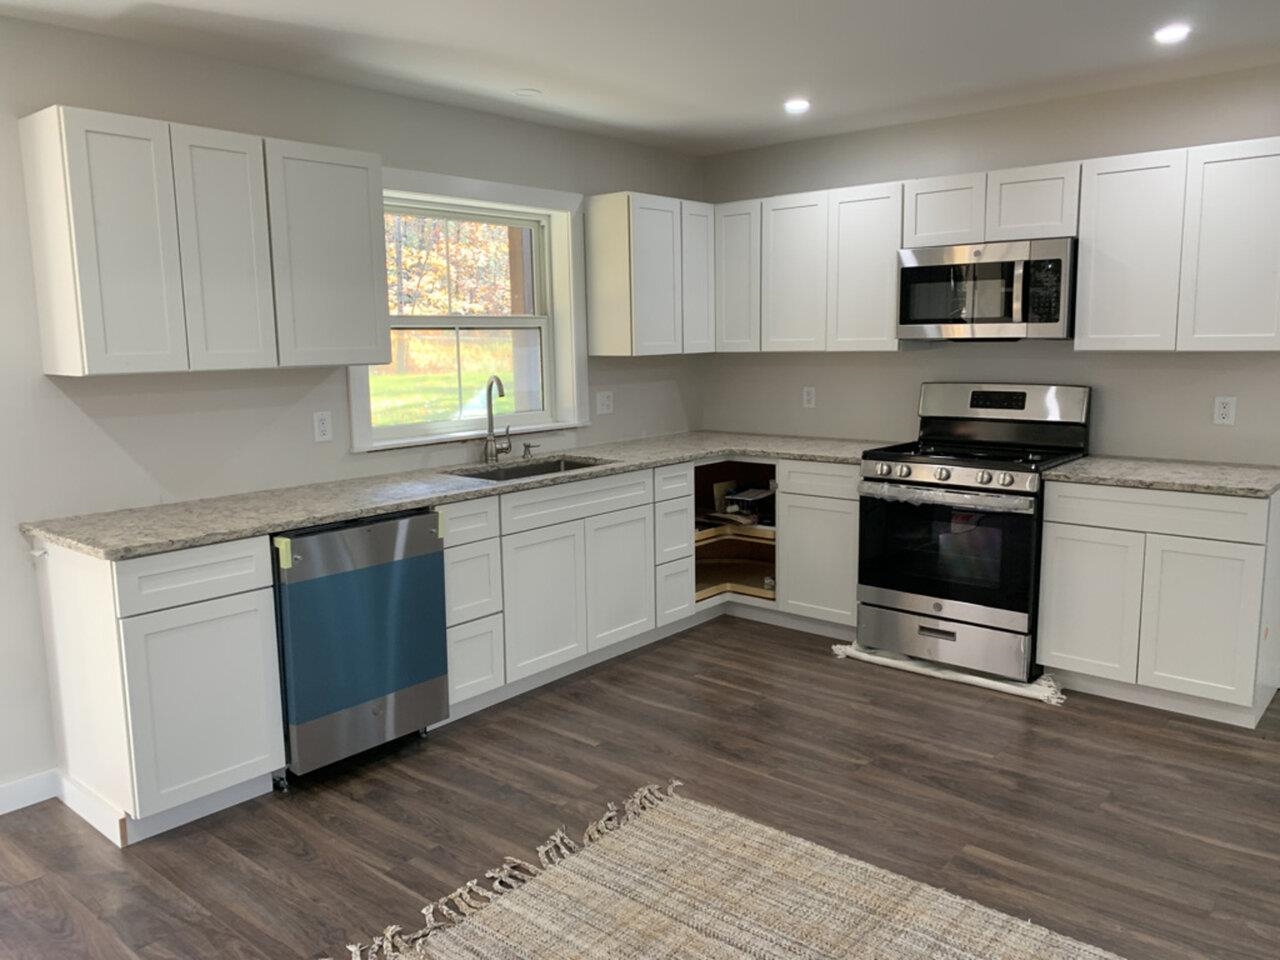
column 492, row 445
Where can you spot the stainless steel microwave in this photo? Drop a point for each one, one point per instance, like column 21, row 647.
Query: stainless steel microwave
column 988, row 291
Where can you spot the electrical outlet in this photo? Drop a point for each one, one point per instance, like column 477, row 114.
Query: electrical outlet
column 809, row 397
column 323, row 423
column 1224, row 411
column 604, row 401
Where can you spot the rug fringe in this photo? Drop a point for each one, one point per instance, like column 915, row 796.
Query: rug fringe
column 472, row 897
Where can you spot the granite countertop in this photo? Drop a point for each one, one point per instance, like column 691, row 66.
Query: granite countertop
column 1185, row 476
column 121, row 534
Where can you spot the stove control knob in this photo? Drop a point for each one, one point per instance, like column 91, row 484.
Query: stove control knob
column 984, row 476
column 904, row 470
column 942, row 473
column 1006, row 479
column 883, row 469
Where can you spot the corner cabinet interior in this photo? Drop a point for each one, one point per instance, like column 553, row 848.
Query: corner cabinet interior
column 162, row 247
column 736, row 533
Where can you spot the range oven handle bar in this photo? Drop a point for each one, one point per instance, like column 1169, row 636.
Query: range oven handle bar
column 968, row 500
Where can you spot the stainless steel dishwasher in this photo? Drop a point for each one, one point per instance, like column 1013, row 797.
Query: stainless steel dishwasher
column 362, row 635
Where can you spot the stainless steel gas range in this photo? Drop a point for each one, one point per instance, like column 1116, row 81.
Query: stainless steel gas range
column 949, row 548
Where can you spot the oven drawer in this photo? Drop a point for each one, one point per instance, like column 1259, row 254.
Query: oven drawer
column 1207, row 516
column 946, row 641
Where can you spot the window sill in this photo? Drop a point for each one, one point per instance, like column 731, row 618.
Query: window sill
column 462, row 436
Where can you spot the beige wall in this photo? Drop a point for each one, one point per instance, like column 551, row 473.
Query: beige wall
column 1146, row 404
column 74, row 446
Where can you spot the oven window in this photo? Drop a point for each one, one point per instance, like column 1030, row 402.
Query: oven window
column 949, row 553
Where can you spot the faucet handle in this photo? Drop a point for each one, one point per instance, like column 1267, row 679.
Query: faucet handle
column 528, row 450
column 504, row 445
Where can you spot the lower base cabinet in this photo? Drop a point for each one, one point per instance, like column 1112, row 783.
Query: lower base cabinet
column 818, row 557
column 544, row 597
column 202, row 683
column 675, row 590
column 476, row 658
column 620, row 584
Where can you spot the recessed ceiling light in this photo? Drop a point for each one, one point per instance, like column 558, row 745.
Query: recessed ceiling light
column 527, row 92
column 796, row 106
column 1173, row 33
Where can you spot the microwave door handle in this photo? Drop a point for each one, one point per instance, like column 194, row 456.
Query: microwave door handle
column 1018, row 266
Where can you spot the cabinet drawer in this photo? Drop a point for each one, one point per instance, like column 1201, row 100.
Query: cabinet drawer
column 530, row 509
column 673, row 481
column 838, row 480
column 476, row 654
column 468, row 521
column 472, row 581
column 675, row 587
column 673, row 524
column 188, row 576
column 1213, row 517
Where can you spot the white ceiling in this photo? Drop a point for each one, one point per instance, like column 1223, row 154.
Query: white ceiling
column 705, row 75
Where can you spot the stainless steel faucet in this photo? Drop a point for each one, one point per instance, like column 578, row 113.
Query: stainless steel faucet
column 492, row 444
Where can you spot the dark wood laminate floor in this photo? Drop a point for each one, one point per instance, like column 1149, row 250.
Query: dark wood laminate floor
column 1145, row 833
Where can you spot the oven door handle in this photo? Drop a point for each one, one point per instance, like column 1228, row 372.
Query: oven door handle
column 967, row 500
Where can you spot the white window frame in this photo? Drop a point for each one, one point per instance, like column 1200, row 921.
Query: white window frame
column 559, row 288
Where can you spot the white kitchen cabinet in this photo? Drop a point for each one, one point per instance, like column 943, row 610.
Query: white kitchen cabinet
column 737, row 251
column 104, row 234
column 472, row 581
column 1090, row 600
column 818, row 557
column 221, row 192
column 620, row 582
column 1230, row 282
column 675, row 590
column 476, row 652
column 544, row 593
column 1130, row 251
column 698, row 275
column 203, row 688
column 328, row 255
column 1031, row 203
column 944, row 210
column 864, row 234
column 673, row 529
column 793, row 272
column 634, row 292
column 1201, row 613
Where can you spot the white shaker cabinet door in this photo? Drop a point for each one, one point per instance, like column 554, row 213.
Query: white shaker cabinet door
column 1230, row 285
column 944, row 210
column 475, row 658
column 620, row 580
column 737, row 250
column 328, row 255
column 221, row 190
column 472, row 581
column 793, row 272
column 544, row 597
column 1201, row 613
column 1030, row 203
column 203, row 686
column 818, row 557
column 1090, row 600
column 1130, row 251
column 865, row 233
column 655, row 275
column 675, row 589
column 698, row 275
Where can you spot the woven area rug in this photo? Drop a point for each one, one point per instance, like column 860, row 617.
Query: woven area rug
column 668, row 877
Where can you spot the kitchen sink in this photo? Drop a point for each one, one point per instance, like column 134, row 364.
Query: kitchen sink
column 527, row 468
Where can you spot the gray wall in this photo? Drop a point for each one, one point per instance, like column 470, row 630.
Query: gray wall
column 1146, row 404
column 74, row 446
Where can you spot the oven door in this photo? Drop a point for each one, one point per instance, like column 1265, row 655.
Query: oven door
column 958, row 555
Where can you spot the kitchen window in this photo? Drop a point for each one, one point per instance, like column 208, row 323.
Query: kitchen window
column 470, row 293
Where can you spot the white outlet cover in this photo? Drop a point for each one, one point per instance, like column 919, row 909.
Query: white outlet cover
column 604, row 401
column 809, row 397
column 1224, row 411
column 323, row 424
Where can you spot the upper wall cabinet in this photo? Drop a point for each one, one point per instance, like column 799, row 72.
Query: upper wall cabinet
column 738, row 276
column 329, row 255
column 635, row 298
column 1030, row 203
column 1230, row 283
column 793, row 272
column 698, row 275
column 221, row 194
column 104, row 234
column 944, row 210
column 865, row 232
column 1130, row 250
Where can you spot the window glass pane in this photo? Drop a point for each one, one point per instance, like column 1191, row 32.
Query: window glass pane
column 421, row 381
column 515, row 355
column 417, row 265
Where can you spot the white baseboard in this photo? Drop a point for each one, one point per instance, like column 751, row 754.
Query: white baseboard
column 25, row 791
column 1162, row 699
